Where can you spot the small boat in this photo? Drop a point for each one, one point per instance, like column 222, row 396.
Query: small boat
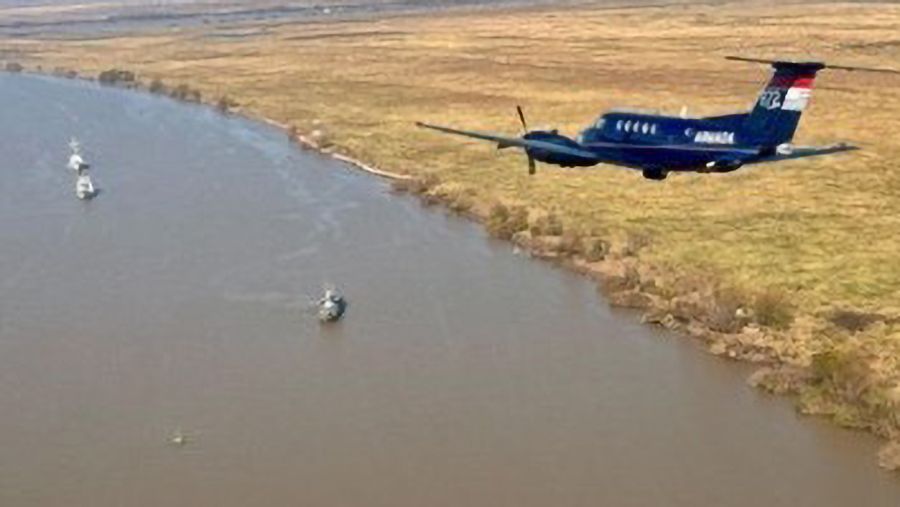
column 76, row 161
column 84, row 188
column 331, row 306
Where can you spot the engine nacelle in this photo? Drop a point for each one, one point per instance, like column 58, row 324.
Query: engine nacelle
column 550, row 157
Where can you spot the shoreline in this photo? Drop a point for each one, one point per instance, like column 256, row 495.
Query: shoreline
column 308, row 143
column 627, row 281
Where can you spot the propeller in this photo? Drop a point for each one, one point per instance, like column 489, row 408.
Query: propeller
column 522, row 119
column 532, row 165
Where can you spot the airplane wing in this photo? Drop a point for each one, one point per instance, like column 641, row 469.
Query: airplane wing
column 806, row 151
column 508, row 142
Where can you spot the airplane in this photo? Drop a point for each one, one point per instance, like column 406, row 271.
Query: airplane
column 657, row 145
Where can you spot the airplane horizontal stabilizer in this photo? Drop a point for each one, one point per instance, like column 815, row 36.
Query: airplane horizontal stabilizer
column 806, row 151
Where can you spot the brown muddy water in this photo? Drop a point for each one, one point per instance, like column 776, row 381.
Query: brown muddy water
column 462, row 375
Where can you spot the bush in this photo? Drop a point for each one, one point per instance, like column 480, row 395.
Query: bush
column 547, row 225
column 853, row 321
column 157, row 86
column 423, row 184
column 185, row 93
column 225, row 104
column 461, row 200
column 504, row 222
column 723, row 315
column 14, row 67
column 570, row 244
column 634, row 243
column 116, row 77
column 889, row 456
column 846, row 369
column 596, row 250
column 772, row 308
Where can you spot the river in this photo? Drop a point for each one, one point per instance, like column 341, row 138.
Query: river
column 464, row 374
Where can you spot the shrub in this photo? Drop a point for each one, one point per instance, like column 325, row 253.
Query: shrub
column 596, row 250
column 419, row 185
column 224, row 104
column 723, row 314
column 547, row 225
column 157, row 86
column 634, row 243
column 461, row 200
column 853, row 321
column 847, row 370
column 772, row 308
column 14, row 67
column 179, row 92
column 570, row 244
column 504, row 222
column 889, row 456
column 186, row 93
column 423, row 184
column 398, row 185
column 116, row 77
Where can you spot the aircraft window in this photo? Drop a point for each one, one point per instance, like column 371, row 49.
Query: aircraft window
column 619, row 125
column 646, row 128
column 600, row 123
column 628, row 126
column 653, row 129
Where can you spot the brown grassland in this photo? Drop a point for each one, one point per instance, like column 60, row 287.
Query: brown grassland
column 792, row 265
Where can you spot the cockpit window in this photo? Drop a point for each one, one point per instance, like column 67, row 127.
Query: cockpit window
column 600, row 123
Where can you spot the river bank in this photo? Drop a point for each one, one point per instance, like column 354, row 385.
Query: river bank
column 767, row 269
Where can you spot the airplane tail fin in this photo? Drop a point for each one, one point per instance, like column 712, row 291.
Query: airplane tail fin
column 777, row 112
column 774, row 119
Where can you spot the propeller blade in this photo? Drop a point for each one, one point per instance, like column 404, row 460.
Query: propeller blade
column 532, row 166
column 522, row 118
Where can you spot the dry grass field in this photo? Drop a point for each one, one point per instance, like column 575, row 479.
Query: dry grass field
column 810, row 247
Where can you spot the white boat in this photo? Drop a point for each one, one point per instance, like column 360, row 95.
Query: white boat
column 76, row 161
column 84, row 188
column 331, row 306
